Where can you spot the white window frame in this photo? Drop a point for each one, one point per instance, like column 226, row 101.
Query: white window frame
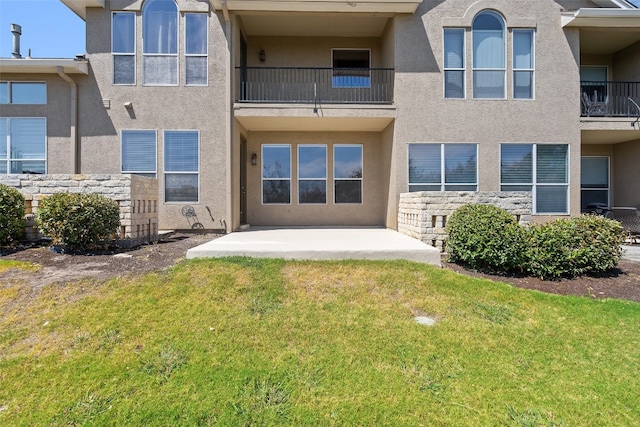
column 368, row 50
column 9, row 144
column 532, row 70
column 443, row 184
column 263, row 179
column 132, row 54
column 608, row 188
column 10, row 92
column 464, row 63
column 197, row 55
column 361, row 179
column 505, row 62
column 166, row 171
column 173, row 55
column 534, row 176
column 153, row 172
column 325, row 179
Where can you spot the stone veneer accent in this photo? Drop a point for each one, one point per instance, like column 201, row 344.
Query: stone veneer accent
column 137, row 199
column 423, row 214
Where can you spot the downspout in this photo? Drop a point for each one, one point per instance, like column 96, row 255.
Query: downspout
column 227, row 114
column 73, row 131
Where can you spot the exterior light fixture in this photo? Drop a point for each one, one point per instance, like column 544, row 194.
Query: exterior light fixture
column 254, row 159
column 262, row 55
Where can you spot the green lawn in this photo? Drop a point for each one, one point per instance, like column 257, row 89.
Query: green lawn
column 238, row 342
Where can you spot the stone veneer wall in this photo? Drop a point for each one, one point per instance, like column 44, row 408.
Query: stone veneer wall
column 137, row 199
column 423, row 215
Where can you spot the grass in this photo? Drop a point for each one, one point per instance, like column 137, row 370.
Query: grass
column 239, row 342
column 10, row 264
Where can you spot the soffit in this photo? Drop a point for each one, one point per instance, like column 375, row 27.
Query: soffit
column 325, row 25
column 79, row 7
column 43, row 66
column 607, row 137
column 357, row 6
column 603, row 41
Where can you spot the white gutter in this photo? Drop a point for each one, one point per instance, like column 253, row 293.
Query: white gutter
column 73, row 131
column 595, row 17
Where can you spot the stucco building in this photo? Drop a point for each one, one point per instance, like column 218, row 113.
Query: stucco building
column 324, row 112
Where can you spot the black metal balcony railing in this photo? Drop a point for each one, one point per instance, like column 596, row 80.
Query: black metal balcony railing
column 315, row 85
column 610, row 99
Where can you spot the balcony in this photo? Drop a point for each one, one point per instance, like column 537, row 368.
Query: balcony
column 291, row 85
column 610, row 99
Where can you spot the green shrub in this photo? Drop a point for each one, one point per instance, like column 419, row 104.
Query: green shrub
column 79, row 221
column 11, row 214
column 486, row 238
column 587, row 244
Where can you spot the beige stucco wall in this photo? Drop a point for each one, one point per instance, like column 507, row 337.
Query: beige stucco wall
column 626, row 174
column 57, row 111
column 626, row 63
column 178, row 107
column 425, row 116
column 369, row 213
column 306, row 51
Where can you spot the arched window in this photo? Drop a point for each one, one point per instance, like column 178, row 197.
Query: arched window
column 160, row 42
column 489, row 59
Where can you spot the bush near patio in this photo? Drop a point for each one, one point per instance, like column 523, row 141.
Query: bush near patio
column 78, row 221
column 11, row 214
column 487, row 238
column 571, row 247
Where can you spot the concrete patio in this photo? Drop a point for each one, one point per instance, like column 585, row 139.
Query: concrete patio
column 318, row 243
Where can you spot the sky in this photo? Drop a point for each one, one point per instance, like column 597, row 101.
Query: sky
column 49, row 29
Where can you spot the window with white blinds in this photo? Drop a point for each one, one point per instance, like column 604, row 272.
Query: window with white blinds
column 443, row 167
column 138, row 154
column 195, row 29
column 23, row 145
column 523, row 64
column 123, row 47
column 181, row 166
column 454, row 63
column 489, row 60
column 160, row 42
column 540, row 168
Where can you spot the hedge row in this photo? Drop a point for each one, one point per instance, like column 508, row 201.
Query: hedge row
column 487, row 238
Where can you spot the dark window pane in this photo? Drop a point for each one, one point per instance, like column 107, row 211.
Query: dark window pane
column 312, row 191
column 181, row 187
column 348, row 191
column 276, row 191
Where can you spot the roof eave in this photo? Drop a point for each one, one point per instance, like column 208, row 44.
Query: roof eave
column 79, row 7
column 607, row 18
column 352, row 6
column 43, row 66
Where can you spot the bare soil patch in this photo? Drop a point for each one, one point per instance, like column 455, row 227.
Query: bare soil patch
column 622, row 283
column 56, row 267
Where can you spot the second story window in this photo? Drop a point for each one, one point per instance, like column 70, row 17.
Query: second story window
column 123, row 47
column 23, row 93
column 160, row 43
column 523, row 64
column 195, row 41
column 454, row 68
column 489, row 64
